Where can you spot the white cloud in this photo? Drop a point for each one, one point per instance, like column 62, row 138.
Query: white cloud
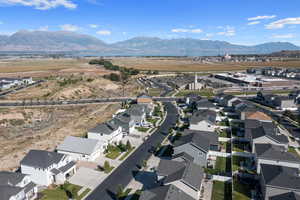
column 262, row 17
column 228, row 31
column 104, row 32
column 182, row 30
column 43, row 28
column 283, row 22
column 41, row 4
column 253, row 23
column 93, row 25
column 69, row 27
column 284, row 36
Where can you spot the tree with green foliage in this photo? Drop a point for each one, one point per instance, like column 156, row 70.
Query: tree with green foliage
column 106, row 167
column 120, row 192
column 128, row 145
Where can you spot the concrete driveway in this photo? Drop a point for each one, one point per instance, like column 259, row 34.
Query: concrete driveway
column 87, row 177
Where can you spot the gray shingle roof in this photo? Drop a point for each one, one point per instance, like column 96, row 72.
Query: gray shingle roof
column 278, row 176
column 286, row 196
column 136, row 110
column 41, row 159
column 12, row 178
column 204, row 115
column 105, row 128
column 187, row 172
column 274, row 152
column 79, row 145
column 255, row 129
column 183, row 156
column 201, row 139
column 168, row 192
column 6, row 191
column 205, row 103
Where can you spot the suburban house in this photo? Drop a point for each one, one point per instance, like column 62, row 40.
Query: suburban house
column 138, row 113
column 243, row 110
column 125, row 121
column 108, row 133
column 275, row 155
column 203, row 120
column 219, row 97
column 195, row 146
column 278, row 102
column 205, row 104
column 257, row 115
column 227, row 100
column 185, row 175
column 263, row 132
column 81, row 149
column 167, row 192
column 278, row 182
column 46, row 168
column 14, row 186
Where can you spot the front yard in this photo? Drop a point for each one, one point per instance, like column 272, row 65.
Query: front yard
column 204, row 92
column 64, row 192
column 142, row 129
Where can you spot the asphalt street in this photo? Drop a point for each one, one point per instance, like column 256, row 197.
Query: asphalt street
column 124, row 173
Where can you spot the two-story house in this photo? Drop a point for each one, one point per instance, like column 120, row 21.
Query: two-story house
column 275, row 155
column 46, row 168
column 15, row 186
column 108, row 133
column 195, row 146
column 185, row 175
column 204, row 120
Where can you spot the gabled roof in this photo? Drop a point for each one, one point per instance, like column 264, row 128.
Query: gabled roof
column 41, row 159
column 286, row 196
column 200, row 139
column 187, row 172
column 79, row 145
column 183, row 157
column 136, row 110
column 205, row 103
column 283, row 177
column 11, row 178
column 6, row 191
column 203, row 115
column 168, row 192
column 274, row 152
column 256, row 129
column 105, row 128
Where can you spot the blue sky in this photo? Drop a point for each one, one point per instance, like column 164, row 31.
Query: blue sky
column 237, row 21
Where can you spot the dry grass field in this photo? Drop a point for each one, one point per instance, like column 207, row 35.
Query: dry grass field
column 46, row 67
column 188, row 65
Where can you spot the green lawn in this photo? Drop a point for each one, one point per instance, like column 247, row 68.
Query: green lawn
column 126, row 154
column 142, row 129
column 241, row 191
column 84, row 193
column 203, row 92
column 60, row 193
column 155, row 92
column 240, row 147
column 113, row 154
column 293, row 150
column 223, row 133
column 221, row 191
column 152, row 120
column 223, row 164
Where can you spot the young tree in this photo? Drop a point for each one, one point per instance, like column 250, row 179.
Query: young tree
column 128, row 145
column 106, row 167
column 120, row 192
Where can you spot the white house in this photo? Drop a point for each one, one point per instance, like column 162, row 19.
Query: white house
column 83, row 149
column 15, row 186
column 46, row 168
column 108, row 133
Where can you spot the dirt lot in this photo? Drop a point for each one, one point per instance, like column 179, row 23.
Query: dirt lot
column 75, row 87
column 45, row 128
column 187, row 64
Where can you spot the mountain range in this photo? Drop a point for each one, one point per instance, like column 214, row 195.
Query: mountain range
column 139, row 46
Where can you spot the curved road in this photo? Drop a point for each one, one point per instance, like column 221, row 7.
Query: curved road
column 123, row 174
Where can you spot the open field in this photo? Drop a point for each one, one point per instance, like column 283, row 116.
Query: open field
column 188, row 65
column 47, row 67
